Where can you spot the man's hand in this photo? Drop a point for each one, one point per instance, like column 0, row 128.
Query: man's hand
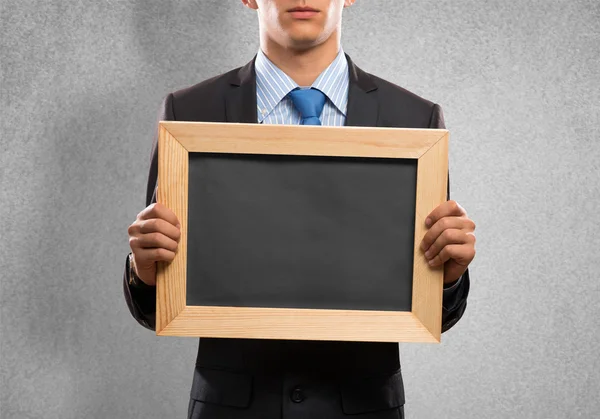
column 450, row 240
column 153, row 237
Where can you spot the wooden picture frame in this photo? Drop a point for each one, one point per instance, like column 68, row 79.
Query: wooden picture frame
column 423, row 324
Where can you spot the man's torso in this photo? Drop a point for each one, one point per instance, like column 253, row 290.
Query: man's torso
column 287, row 379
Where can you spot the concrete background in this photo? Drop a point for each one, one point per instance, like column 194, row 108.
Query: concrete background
column 81, row 83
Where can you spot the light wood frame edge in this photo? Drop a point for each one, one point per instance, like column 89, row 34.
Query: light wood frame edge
column 432, row 181
column 283, row 139
column 173, row 191
column 298, row 324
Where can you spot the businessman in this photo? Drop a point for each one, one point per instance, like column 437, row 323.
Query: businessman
column 300, row 75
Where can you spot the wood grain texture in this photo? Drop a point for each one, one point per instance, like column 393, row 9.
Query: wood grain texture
column 432, row 178
column 298, row 324
column 303, row 140
column 173, row 167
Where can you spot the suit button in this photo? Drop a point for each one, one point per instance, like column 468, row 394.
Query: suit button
column 297, row 395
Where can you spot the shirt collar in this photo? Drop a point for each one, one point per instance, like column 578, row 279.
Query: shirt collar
column 273, row 85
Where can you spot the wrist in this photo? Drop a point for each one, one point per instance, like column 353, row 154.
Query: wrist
column 452, row 284
column 134, row 280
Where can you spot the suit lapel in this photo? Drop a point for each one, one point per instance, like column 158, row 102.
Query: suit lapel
column 363, row 106
column 240, row 103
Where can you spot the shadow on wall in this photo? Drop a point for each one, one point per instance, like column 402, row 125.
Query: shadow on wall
column 66, row 336
column 81, row 119
column 193, row 41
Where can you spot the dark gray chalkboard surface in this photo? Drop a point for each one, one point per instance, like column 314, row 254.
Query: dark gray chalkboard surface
column 300, row 231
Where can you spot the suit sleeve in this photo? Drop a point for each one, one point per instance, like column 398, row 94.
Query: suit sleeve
column 141, row 299
column 455, row 296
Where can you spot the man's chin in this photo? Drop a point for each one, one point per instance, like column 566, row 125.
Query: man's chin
column 306, row 40
column 302, row 45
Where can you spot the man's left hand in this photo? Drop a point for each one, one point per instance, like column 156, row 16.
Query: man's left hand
column 450, row 240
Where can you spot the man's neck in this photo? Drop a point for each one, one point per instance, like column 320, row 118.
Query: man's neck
column 305, row 65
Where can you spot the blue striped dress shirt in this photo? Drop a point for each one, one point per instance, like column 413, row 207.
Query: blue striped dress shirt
column 273, row 86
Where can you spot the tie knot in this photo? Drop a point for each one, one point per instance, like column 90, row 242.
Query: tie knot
column 309, row 103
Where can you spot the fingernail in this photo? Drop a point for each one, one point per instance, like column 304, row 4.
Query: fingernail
column 428, row 222
column 432, row 262
column 178, row 226
column 428, row 254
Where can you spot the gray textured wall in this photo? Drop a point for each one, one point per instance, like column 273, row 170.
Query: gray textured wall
column 520, row 86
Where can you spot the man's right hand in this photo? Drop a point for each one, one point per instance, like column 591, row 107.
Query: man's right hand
column 153, row 237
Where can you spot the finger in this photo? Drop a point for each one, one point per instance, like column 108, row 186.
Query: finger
column 152, row 241
column 158, row 225
column 448, row 208
column 449, row 236
column 146, row 257
column 438, row 228
column 462, row 254
column 157, row 210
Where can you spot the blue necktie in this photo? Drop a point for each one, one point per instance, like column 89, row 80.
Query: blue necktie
column 309, row 103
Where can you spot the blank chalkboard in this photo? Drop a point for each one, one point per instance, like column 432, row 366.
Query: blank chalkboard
column 300, row 231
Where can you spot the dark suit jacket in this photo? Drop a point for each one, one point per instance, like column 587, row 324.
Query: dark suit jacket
column 271, row 378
